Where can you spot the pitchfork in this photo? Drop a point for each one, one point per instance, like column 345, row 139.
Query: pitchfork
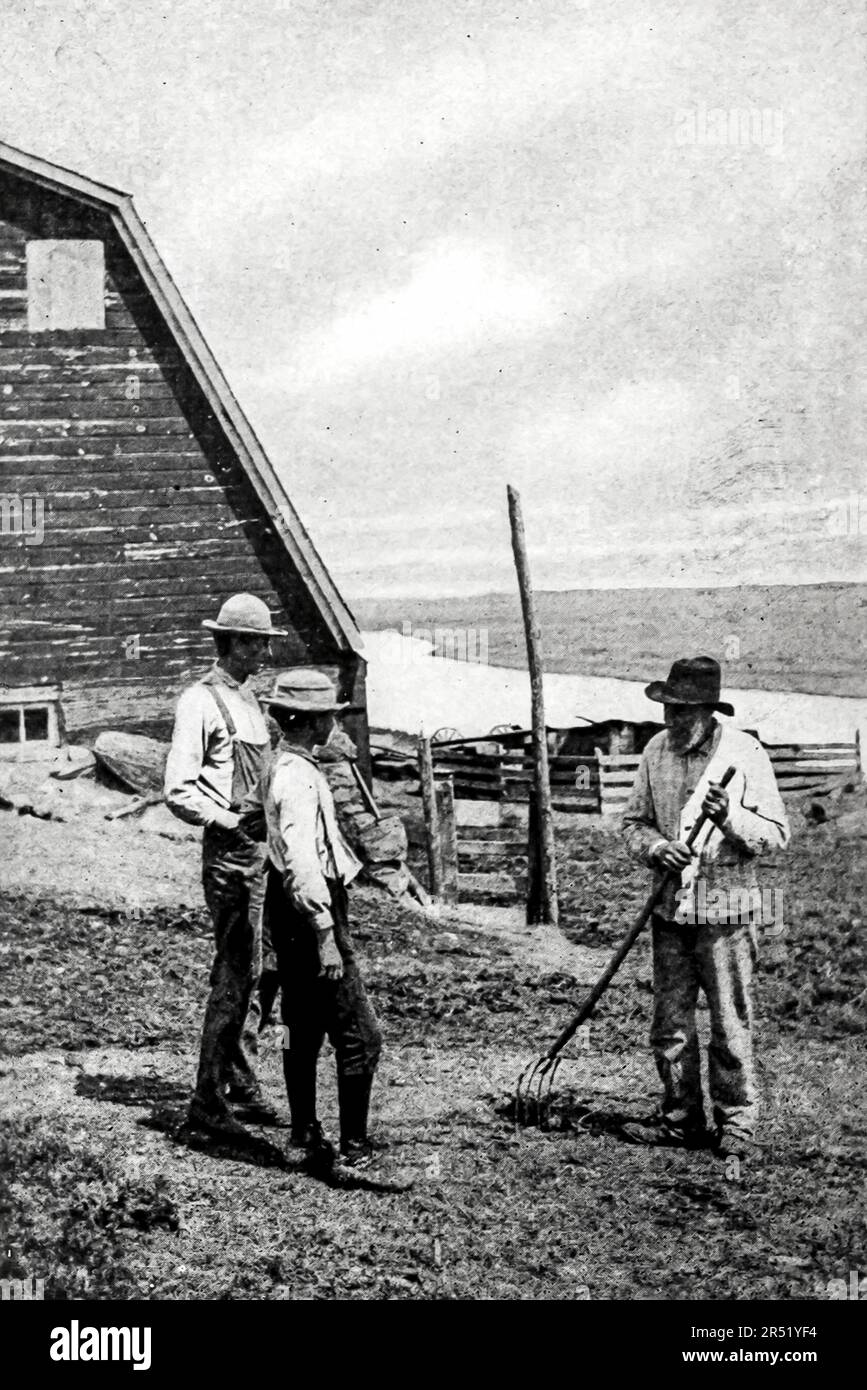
column 536, row 1082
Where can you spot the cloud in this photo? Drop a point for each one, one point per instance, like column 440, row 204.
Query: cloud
column 460, row 295
column 467, row 294
column 631, row 434
column 471, row 90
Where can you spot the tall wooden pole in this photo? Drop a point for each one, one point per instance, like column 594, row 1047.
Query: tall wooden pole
column 541, row 905
column 448, row 838
column 431, row 818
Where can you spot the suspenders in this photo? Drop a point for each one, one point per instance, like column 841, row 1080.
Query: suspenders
column 246, row 757
column 224, row 711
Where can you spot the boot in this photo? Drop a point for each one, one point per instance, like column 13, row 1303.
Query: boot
column 215, row 1118
column 252, row 1106
column 687, row 1131
column 319, row 1155
column 359, row 1165
column 299, row 1073
column 736, row 1141
column 353, row 1098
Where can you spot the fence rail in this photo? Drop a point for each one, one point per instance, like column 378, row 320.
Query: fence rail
column 600, row 783
column 492, row 860
column 798, row 768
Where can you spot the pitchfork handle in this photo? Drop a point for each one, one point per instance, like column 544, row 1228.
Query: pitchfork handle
column 590, row 1001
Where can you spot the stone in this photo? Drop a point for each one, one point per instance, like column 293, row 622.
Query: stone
column 446, row 941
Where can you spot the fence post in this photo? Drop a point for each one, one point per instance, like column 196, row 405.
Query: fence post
column 431, row 817
column 534, row 877
column 448, row 839
column 546, row 910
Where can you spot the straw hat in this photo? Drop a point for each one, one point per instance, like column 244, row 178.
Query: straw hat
column 244, row 613
column 305, row 691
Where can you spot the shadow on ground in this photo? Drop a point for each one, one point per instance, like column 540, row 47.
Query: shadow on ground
column 168, row 1104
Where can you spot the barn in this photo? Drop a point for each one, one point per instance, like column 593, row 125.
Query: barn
column 134, row 495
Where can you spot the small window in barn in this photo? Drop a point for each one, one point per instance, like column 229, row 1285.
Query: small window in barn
column 29, row 722
column 65, row 285
column 36, row 724
column 10, row 726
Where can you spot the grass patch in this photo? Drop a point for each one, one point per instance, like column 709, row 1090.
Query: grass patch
column 68, row 1214
column 75, row 979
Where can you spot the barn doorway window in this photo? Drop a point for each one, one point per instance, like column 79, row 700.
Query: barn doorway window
column 29, row 721
column 65, row 285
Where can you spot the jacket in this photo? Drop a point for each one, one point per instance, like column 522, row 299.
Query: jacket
column 305, row 844
column 665, row 803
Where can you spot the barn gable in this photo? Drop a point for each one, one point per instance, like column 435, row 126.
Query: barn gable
column 143, row 496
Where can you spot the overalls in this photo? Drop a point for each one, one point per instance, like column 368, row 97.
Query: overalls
column 233, row 879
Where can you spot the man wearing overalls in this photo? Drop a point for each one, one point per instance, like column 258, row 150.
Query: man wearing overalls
column 218, row 747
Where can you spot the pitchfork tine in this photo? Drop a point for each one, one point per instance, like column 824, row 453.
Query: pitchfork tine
column 544, row 1067
column 549, row 1079
column 524, row 1095
column 519, row 1097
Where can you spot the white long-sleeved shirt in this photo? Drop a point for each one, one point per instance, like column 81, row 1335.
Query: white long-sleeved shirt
column 665, row 803
column 200, row 765
column 305, row 843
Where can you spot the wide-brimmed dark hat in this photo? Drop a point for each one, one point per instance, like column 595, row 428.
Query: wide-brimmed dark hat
column 305, row 691
column 694, row 680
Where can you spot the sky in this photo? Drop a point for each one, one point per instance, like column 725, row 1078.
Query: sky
column 610, row 253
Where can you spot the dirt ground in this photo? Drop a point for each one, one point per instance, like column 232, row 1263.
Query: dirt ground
column 105, row 1196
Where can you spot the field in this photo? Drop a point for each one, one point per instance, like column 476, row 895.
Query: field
column 808, row 638
column 104, row 1195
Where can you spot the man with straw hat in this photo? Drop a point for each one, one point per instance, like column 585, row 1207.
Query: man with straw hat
column 705, row 925
column 218, row 747
column 322, row 992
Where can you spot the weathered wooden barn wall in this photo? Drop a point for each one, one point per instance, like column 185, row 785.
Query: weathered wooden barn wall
column 150, row 520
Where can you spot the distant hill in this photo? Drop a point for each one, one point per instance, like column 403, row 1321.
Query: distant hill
column 809, row 638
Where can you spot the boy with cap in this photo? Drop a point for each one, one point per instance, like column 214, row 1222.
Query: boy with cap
column 677, row 780
column 311, row 866
column 218, row 747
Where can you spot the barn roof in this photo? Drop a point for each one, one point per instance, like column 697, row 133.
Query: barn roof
column 186, row 332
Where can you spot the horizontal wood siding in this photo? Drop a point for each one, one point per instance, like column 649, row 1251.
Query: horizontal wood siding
column 150, row 520
column 147, row 706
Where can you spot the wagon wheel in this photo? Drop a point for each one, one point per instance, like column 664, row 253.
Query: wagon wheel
column 503, row 729
column 446, row 735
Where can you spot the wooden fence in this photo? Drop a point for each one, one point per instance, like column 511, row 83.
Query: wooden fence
column 491, row 858
column 481, row 837
column 600, row 783
column 798, row 768
column 506, row 774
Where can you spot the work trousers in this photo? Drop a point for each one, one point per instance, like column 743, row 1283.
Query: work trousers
column 235, row 899
column 262, row 1000
column 718, row 959
column 312, row 1007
